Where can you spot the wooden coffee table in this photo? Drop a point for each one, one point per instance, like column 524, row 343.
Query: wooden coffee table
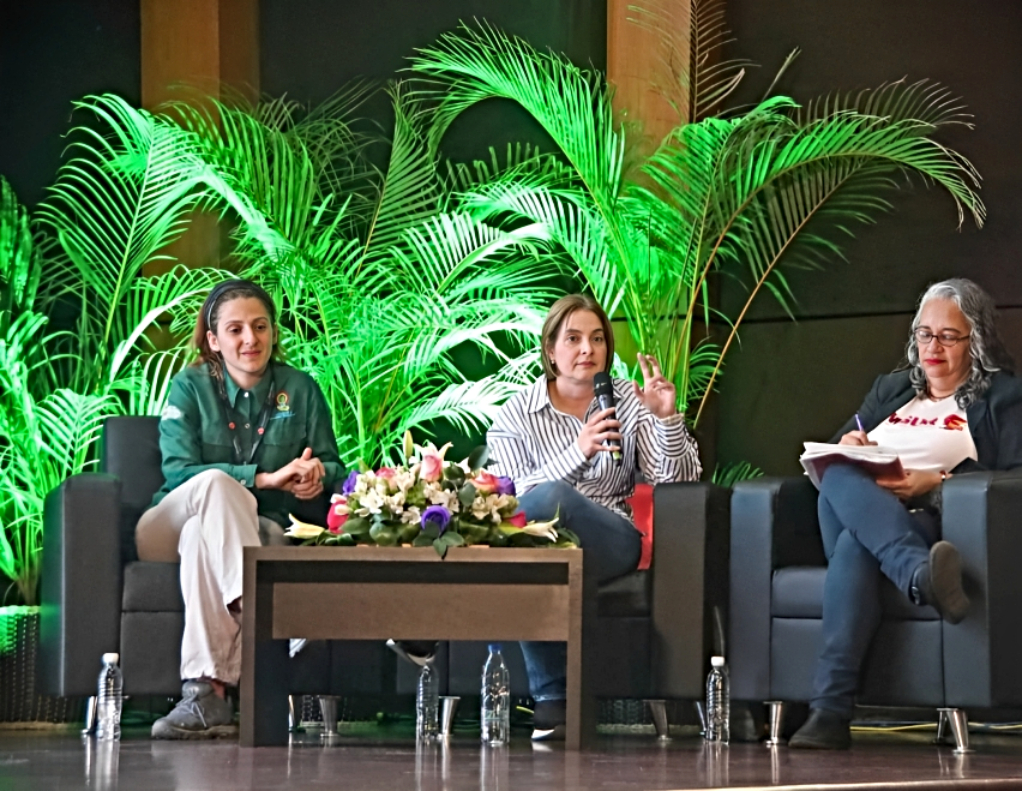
column 375, row 593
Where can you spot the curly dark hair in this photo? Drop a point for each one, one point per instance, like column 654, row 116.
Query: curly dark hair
column 988, row 351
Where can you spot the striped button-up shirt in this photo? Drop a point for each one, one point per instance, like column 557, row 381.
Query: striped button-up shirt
column 531, row 442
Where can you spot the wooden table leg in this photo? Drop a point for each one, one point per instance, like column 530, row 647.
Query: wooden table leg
column 580, row 723
column 264, row 682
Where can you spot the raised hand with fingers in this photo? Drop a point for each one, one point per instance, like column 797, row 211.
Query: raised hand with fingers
column 657, row 393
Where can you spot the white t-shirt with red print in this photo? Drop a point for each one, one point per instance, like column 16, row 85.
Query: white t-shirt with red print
column 927, row 434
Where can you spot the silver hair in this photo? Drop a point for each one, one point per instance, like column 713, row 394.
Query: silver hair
column 986, row 348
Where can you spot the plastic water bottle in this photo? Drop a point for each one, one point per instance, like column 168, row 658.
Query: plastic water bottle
column 496, row 694
column 427, row 703
column 718, row 702
column 109, row 698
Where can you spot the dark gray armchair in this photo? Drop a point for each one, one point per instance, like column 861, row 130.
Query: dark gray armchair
column 655, row 629
column 653, row 638
column 777, row 573
column 98, row 597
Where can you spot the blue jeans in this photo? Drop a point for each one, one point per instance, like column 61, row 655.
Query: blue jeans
column 610, row 541
column 867, row 532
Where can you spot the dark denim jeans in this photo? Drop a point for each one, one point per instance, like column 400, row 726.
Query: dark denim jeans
column 610, row 541
column 867, row 532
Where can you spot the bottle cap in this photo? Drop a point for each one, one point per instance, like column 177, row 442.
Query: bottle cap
column 494, row 648
column 111, row 659
column 717, row 661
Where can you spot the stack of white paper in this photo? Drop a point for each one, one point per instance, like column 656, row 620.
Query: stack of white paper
column 880, row 462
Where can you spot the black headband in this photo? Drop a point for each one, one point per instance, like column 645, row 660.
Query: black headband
column 229, row 285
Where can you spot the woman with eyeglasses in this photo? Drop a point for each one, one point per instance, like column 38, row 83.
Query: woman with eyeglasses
column 955, row 407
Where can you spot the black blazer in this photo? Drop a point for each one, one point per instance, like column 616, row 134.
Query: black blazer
column 995, row 419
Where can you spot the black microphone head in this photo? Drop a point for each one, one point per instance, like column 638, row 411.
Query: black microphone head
column 602, row 385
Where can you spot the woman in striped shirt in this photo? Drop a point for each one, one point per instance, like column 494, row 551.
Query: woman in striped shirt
column 556, row 444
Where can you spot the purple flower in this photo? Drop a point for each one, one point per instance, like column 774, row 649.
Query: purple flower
column 349, row 482
column 505, row 485
column 438, row 515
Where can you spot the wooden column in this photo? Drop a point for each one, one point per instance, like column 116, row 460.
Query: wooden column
column 211, row 46
column 644, row 55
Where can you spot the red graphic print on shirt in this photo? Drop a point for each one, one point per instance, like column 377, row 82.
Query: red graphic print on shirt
column 954, row 423
column 951, row 422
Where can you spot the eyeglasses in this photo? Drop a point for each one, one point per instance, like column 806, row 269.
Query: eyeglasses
column 946, row 339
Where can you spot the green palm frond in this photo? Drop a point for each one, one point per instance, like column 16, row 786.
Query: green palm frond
column 743, row 195
column 70, row 424
column 19, row 258
column 690, row 35
column 571, row 104
column 727, row 475
column 410, row 189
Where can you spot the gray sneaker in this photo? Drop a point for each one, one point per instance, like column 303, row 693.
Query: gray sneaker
column 200, row 714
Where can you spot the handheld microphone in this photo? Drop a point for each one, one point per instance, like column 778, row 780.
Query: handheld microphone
column 604, row 391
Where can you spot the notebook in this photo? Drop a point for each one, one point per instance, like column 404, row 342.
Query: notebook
column 879, row 461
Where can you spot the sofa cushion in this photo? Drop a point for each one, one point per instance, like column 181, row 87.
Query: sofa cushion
column 798, row 593
column 152, row 587
column 626, row 597
column 130, row 450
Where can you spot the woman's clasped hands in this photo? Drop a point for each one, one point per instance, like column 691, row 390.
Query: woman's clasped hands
column 303, row 477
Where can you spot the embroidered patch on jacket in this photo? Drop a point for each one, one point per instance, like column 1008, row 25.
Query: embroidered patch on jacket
column 171, row 412
column 282, row 404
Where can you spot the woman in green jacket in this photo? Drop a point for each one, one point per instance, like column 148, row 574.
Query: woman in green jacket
column 245, row 440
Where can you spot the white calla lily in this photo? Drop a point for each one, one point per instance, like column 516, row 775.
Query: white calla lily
column 302, row 530
column 542, row 529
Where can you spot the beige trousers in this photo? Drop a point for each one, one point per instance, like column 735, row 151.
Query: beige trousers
column 204, row 524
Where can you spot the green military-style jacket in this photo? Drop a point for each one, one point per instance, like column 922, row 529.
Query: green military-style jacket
column 195, row 437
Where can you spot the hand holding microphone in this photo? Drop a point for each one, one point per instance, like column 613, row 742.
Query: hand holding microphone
column 600, row 432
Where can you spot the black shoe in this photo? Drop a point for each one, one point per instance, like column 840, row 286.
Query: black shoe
column 548, row 721
column 418, row 652
column 824, row 730
column 938, row 583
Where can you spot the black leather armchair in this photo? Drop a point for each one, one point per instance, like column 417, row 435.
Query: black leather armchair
column 655, row 629
column 777, row 573
column 98, row 597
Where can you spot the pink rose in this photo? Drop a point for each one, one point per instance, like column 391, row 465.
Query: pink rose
column 485, row 482
column 386, row 473
column 432, row 468
column 334, row 518
column 518, row 520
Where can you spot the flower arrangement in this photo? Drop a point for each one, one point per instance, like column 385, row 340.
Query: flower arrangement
column 430, row 502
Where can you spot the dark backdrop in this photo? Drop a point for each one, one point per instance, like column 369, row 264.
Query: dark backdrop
column 55, row 51
column 788, row 382
column 51, row 53
column 792, row 382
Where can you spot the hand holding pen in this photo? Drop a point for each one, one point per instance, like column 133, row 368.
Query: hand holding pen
column 857, row 437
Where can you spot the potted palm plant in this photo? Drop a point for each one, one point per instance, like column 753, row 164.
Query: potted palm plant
column 743, row 193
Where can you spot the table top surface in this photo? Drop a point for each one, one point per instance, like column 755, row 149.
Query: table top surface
column 455, row 555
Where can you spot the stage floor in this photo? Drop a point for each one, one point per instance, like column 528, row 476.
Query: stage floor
column 388, row 761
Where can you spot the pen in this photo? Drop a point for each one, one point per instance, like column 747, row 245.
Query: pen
column 859, row 423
